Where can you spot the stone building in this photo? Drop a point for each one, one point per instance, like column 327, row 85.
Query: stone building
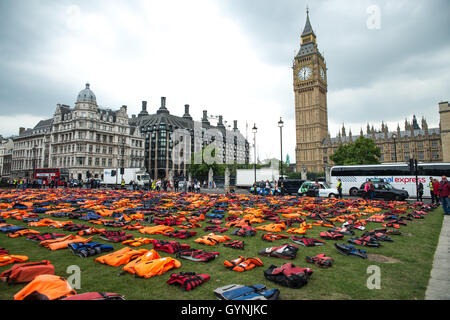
column 314, row 144
column 444, row 112
column 159, row 127
column 31, row 149
column 414, row 141
column 6, row 148
column 84, row 139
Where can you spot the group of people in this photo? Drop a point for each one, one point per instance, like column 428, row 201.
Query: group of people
column 440, row 192
column 36, row 183
column 183, row 186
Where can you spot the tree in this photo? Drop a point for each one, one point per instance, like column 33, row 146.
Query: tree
column 362, row 151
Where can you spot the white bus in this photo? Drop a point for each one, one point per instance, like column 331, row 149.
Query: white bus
column 397, row 174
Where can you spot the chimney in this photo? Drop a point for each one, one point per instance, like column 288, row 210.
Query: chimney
column 220, row 124
column 235, row 125
column 21, row 130
column 205, row 117
column 186, row 112
column 144, row 109
column 163, row 108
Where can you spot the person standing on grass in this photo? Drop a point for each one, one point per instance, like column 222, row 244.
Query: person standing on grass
column 433, row 197
column 339, row 188
column 371, row 190
column 366, row 190
column 420, row 191
column 436, row 186
column 444, row 193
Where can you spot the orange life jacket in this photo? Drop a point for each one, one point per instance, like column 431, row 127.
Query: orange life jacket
column 61, row 243
column 149, row 256
column 137, row 242
column 45, row 287
column 241, row 264
column 6, row 259
column 155, row 267
column 160, row 229
column 212, row 239
column 21, row 233
column 121, row 256
column 272, row 227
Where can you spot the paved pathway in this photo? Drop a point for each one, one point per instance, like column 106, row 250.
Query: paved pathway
column 439, row 284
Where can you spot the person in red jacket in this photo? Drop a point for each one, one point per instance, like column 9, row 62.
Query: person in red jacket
column 444, row 193
column 436, row 186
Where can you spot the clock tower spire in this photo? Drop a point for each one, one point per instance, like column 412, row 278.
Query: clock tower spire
column 310, row 90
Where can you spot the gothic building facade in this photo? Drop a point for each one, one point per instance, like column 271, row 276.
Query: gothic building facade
column 314, row 144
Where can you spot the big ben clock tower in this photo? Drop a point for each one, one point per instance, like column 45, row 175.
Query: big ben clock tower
column 310, row 89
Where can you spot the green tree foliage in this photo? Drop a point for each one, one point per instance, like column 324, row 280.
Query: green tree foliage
column 362, row 151
column 201, row 170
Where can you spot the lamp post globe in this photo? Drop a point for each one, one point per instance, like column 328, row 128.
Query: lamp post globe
column 280, row 125
column 254, row 130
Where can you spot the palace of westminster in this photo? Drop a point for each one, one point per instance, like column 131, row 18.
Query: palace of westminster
column 87, row 139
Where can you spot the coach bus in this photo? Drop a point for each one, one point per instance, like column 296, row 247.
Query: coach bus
column 397, row 174
column 59, row 175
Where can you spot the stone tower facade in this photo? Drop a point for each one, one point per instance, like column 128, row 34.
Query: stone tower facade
column 310, row 90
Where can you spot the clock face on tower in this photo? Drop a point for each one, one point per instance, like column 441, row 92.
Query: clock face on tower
column 304, row 73
column 322, row 73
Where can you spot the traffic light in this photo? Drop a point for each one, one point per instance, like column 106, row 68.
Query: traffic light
column 122, row 171
column 411, row 166
column 113, row 173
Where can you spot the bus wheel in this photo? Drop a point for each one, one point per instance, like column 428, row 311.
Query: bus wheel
column 331, row 195
column 353, row 191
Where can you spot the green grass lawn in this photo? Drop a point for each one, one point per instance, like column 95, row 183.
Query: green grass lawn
column 346, row 279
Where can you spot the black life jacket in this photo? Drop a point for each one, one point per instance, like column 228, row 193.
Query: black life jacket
column 235, row 244
column 188, row 280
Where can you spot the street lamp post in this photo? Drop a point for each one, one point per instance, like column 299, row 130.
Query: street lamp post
column 280, row 124
column 254, row 146
column 394, row 136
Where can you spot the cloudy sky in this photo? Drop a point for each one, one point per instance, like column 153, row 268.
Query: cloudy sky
column 386, row 59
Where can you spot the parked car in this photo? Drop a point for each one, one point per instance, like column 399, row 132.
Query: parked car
column 385, row 191
column 309, row 189
column 74, row 183
column 262, row 190
column 291, row 186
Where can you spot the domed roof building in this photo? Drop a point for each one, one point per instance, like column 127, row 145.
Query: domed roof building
column 86, row 95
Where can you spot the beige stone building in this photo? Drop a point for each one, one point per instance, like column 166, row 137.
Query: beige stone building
column 314, row 144
column 444, row 112
column 85, row 139
column 310, row 90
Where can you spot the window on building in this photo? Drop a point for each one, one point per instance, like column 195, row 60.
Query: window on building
column 421, row 155
column 435, row 155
